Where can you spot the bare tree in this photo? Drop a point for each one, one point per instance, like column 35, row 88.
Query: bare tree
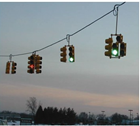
column 32, row 105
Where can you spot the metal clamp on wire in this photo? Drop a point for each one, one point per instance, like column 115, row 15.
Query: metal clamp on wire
column 115, row 12
column 68, row 39
column 10, row 57
column 34, row 53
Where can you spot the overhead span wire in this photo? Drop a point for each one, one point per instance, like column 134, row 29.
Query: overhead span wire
column 117, row 5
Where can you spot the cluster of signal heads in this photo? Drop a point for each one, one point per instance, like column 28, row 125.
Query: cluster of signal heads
column 63, row 53
column 10, row 67
column 117, row 49
column 34, row 64
column 114, row 50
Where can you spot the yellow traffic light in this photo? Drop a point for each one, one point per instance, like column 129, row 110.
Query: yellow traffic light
column 108, row 47
column 13, row 70
column 7, row 71
column 63, row 54
column 123, row 49
column 38, row 64
column 71, row 54
column 31, row 63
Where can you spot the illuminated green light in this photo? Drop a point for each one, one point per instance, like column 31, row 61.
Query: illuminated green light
column 114, row 52
column 71, row 59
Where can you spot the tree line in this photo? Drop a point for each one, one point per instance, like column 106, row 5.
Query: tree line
column 53, row 115
column 67, row 116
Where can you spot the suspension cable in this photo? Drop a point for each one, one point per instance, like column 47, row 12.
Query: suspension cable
column 114, row 10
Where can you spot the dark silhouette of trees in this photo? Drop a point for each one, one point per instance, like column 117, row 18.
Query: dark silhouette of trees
column 39, row 117
column 117, row 118
column 101, row 119
column 54, row 116
column 83, row 118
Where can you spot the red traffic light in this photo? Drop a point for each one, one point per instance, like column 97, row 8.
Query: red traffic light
column 31, row 66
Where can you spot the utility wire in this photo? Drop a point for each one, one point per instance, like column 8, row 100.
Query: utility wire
column 40, row 49
column 51, row 44
column 117, row 5
column 91, row 23
column 97, row 19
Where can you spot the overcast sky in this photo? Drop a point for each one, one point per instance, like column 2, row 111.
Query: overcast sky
column 93, row 82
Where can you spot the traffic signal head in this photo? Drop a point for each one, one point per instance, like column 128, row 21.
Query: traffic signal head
column 63, row 54
column 114, row 50
column 13, row 71
column 7, row 71
column 31, row 63
column 108, row 47
column 123, row 49
column 38, row 64
column 71, row 54
column 37, row 59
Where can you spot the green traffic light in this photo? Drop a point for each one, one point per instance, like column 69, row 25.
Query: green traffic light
column 71, row 59
column 114, row 52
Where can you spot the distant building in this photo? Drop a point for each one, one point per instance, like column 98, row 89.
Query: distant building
column 10, row 116
column 26, row 121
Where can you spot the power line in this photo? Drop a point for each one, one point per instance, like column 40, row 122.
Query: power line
column 40, row 49
column 51, row 44
column 117, row 5
column 91, row 23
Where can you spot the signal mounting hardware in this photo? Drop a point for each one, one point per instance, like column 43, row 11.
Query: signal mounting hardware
column 117, row 49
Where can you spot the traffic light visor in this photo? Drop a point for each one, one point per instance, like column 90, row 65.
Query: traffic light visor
column 63, row 49
column 70, row 48
column 14, row 64
column 38, row 71
column 63, row 54
column 31, row 57
column 110, row 40
column 119, row 38
column 63, row 59
column 38, row 58
column 122, row 45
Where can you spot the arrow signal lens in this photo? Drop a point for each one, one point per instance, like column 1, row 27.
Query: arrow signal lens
column 31, row 66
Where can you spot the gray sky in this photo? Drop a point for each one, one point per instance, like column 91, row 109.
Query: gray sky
column 93, row 82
